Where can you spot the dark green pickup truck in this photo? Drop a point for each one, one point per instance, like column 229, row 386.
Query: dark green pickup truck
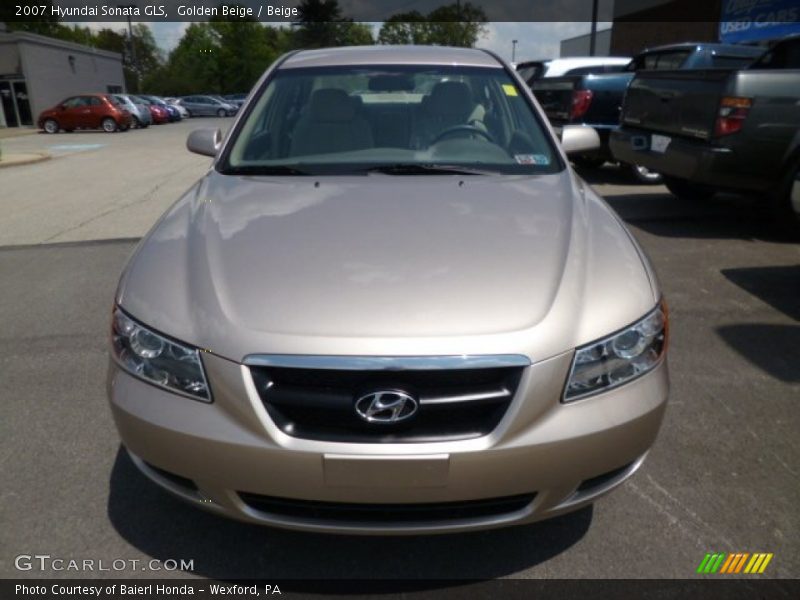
column 720, row 130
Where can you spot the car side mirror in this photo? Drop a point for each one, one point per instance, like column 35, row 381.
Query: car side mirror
column 204, row 141
column 578, row 139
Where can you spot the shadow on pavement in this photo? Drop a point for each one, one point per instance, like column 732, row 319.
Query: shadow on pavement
column 609, row 174
column 778, row 286
column 653, row 209
column 771, row 348
column 163, row 527
column 723, row 217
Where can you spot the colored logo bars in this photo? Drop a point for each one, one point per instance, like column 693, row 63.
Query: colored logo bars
column 733, row 563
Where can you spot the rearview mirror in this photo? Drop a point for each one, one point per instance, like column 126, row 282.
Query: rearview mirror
column 204, row 141
column 578, row 139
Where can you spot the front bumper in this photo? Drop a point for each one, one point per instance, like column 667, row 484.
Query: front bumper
column 556, row 457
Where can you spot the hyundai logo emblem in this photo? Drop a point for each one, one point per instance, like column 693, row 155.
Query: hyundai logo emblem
column 389, row 406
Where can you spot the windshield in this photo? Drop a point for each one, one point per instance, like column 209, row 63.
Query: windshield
column 400, row 119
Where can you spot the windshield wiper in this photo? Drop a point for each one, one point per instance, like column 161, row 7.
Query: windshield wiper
column 265, row 170
column 425, row 169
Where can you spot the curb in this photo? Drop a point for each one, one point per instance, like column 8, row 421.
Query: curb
column 8, row 133
column 15, row 160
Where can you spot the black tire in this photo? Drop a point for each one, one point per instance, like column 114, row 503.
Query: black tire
column 109, row 125
column 51, row 126
column 644, row 175
column 687, row 190
column 135, row 123
column 588, row 162
column 222, row 112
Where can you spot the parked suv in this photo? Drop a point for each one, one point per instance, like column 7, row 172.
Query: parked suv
column 88, row 111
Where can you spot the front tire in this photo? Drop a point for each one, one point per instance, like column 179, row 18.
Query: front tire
column 50, row 126
column 109, row 125
column 136, row 123
column 686, row 190
column 644, row 175
column 222, row 113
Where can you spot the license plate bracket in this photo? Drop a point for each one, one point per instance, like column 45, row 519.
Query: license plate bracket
column 659, row 143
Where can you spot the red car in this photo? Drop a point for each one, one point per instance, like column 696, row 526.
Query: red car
column 88, row 111
column 159, row 114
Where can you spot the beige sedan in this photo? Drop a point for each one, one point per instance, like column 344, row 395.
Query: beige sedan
column 390, row 306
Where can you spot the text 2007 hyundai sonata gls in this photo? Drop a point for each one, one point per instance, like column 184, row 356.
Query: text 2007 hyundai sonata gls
column 390, row 306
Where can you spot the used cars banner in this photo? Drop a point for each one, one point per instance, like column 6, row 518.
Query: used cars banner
column 755, row 20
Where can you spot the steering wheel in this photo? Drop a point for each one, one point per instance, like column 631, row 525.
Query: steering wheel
column 463, row 129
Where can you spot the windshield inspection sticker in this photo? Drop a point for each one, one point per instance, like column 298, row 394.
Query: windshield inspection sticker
column 509, row 89
column 532, row 159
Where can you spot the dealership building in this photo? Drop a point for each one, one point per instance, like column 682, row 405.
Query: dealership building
column 639, row 24
column 37, row 72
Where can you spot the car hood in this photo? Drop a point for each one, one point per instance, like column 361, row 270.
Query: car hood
column 383, row 264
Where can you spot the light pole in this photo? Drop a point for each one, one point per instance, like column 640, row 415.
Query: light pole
column 134, row 65
column 513, row 50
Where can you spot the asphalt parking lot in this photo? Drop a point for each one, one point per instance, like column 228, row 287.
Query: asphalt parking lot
column 723, row 476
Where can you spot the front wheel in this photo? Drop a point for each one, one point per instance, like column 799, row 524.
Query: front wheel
column 686, row 190
column 222, row 113
column 109, row 125
column 136, row 123
column 51, row 126
column 644, row 175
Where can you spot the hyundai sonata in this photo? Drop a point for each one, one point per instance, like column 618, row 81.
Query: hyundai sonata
column 389, row 306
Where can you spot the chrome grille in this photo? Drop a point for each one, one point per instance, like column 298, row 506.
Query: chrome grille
column 453, row 403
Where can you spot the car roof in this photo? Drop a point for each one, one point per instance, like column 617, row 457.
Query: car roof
column 560, row 66
column 390, row 55
column 730, row 49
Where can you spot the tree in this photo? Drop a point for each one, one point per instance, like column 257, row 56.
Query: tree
column 43, row 24
column 457, row 25
column 449, row 25
column 191, row 66
column 405, row 28
column 243, row 52
column 320, row 24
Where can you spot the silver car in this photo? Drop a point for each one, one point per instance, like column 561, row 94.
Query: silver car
column 389, row 306
column 206, row 106
column 140, row 113
column 181, row 109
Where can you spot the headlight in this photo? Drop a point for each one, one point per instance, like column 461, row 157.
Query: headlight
column 619, row 358
column 156, row 359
